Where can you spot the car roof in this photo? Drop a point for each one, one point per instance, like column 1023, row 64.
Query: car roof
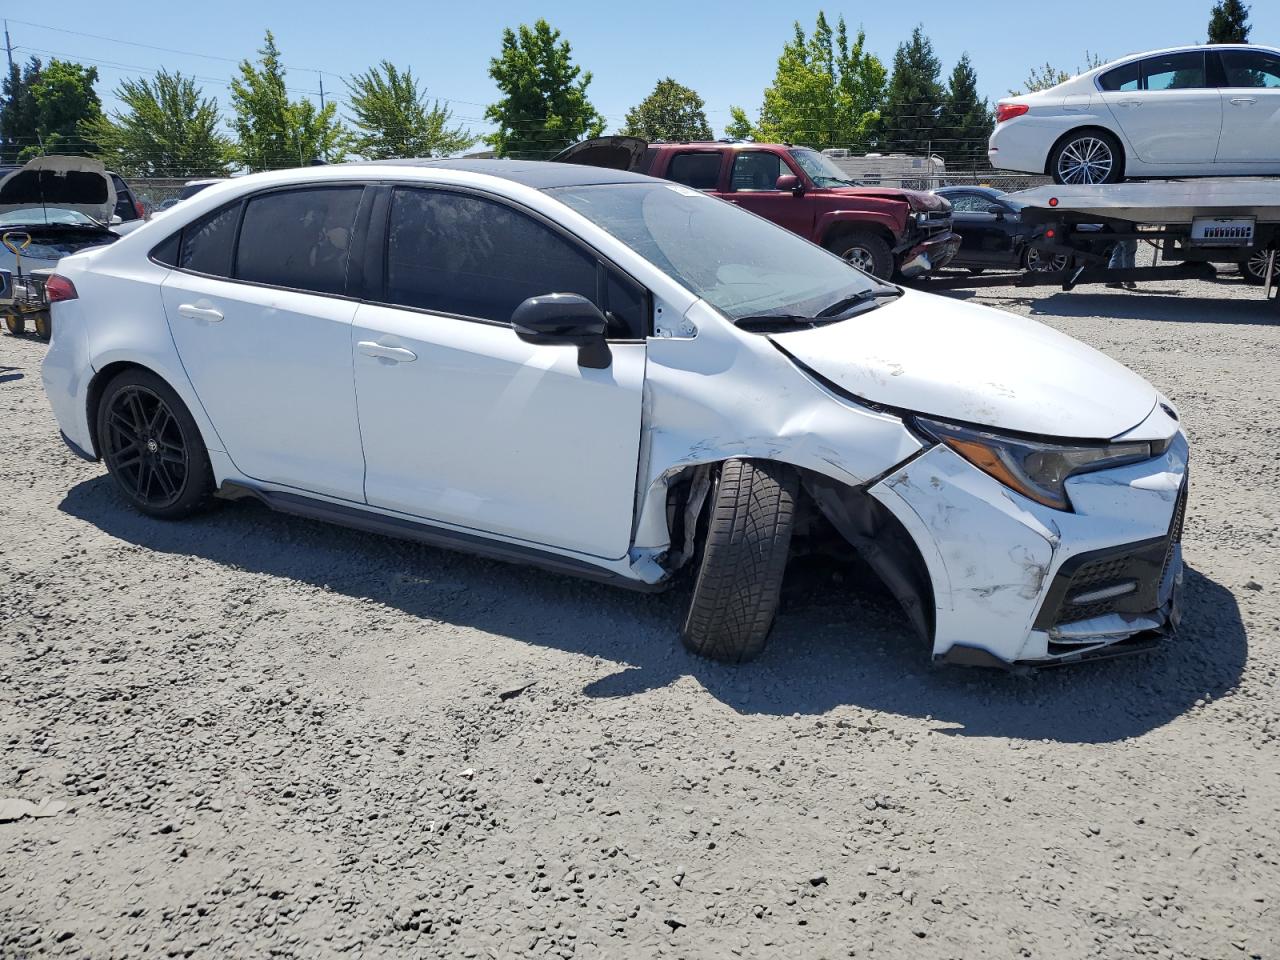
column 973, row 188
column 1185, row 48
column 538, row 174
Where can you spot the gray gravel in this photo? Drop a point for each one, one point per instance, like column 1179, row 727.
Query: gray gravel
column 278, row 737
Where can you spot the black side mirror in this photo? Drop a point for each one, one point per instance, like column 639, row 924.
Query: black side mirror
column 565, row 319
column 996, row 210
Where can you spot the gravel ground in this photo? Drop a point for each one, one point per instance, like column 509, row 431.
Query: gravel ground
column 278, row 737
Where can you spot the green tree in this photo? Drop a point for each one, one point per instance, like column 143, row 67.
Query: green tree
column 1229, row 22
column 966, row 117
column 740, row 126
column 167, row 129
column 913, row 104
column 826, row 91
column 1047, row 76
column 544, row 106
column 63, row 96
column 273, row 131
column 19, row 116
column 393, row 118
column 673, row 112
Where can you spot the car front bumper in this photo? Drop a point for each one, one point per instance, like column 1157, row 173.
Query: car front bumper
column 1015, row 582
column 929, row 255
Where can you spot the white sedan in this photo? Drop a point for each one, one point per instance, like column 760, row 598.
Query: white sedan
column 1185, row 112
column 621, row 378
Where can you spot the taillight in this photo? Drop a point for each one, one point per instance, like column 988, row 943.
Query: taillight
column 139, row 209
column 1007, row 111
column 58, row 288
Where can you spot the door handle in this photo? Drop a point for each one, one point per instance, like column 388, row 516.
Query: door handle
column 192, row 312
column 1240, row 101
column 399, row 354
column 1130, row 103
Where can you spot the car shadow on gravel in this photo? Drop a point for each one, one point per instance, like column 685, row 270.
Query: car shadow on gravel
column 1145, row 303
column 840, row 639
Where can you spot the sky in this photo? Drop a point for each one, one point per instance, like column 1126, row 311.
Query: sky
column 725, row 51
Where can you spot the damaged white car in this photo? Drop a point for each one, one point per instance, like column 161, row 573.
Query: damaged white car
column 49, row 208
column 621, row 378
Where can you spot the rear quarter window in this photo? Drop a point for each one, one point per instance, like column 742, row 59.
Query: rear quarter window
column 1121, row 78
column 698, row 170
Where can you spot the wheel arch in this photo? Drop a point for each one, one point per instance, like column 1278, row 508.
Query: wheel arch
column 103, row 376
column 1088, row 128
column 840, row 228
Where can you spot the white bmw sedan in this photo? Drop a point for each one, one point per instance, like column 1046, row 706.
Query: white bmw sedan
column 1185, row 112
column 621, row 378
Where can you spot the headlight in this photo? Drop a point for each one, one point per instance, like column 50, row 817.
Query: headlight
column 1035, row 469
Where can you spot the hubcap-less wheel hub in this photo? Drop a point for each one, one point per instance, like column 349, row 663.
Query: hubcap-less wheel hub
column 1087, row 160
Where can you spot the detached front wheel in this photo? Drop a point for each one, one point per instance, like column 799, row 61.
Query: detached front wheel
column 744, row 557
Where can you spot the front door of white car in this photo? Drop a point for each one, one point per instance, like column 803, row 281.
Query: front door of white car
column 464, row 423
column 1171, row 115
column 1250, row 108
column 272, row 366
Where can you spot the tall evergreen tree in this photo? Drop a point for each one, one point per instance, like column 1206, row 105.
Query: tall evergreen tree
column 273, row 131
column 673, row 112
column 825, row 91
column 544, row 106
column 168, row 129
column 966, row 118
column 19, row 116
column 393, row 118
column 1229, row 22
column 913, row 102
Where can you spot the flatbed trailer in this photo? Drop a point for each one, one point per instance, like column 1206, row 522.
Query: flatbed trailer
column 1192, row 223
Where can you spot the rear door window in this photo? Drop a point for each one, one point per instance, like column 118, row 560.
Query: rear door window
column 298, row 239
column 1174, row 71
column 1122, row 78
column 207, row 244
column 699, row 170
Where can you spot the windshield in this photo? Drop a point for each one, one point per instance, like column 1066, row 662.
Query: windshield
column 25, row 216
column 821, row 169
column 740, row 263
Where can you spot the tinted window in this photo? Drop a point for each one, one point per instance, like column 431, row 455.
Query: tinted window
column 1251, row 68
column 755, row 170
column 299, row 238
column 207, row 243
column 1175, row 71
column 698, row 170
column 1121, row 78
column 459, row 254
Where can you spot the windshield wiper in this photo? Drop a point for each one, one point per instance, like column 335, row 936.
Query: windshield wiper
column 862, row 296
column 777, row 321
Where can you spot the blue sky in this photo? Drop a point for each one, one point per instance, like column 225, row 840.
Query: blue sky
column 726, row 51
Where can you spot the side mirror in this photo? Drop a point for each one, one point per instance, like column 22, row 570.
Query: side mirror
column 116, row 219
column 996, row 210
column 789, row 181
column 565, row 319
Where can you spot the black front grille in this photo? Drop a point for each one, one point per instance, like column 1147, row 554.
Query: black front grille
column 1143, row 565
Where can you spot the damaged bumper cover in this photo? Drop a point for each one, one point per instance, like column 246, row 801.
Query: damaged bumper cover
column 930, row 255
column 1015, row 582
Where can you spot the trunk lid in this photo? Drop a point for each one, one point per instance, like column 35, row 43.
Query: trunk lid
column 33, row 193
column 612, row 153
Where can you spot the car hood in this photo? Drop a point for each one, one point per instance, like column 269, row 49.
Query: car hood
column 70, row 183
column 973, row 364
column 916, row 199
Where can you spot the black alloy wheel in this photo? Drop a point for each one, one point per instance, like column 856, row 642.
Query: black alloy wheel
column 145, row 449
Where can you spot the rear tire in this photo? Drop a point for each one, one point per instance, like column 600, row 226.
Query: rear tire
column 744, row 557
column 1254, row 269
column 15, row 325
column 44, row 326
column 152, row 446
column 865, row 250
column 1087, row 157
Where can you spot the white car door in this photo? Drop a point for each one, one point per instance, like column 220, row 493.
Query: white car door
column 1250, row 108
column 464, row 423
column 265, row 341
column 1174, row 116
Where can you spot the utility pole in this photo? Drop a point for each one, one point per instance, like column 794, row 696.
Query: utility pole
column 321, row 91
column 8, row 46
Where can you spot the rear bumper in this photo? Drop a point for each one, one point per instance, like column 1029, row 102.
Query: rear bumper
column 929, row 255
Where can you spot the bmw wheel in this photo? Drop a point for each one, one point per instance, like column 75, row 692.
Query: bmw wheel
column 152, row 446
column 1088, row 157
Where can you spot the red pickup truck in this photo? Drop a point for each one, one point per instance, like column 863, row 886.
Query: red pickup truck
column 883, row 230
